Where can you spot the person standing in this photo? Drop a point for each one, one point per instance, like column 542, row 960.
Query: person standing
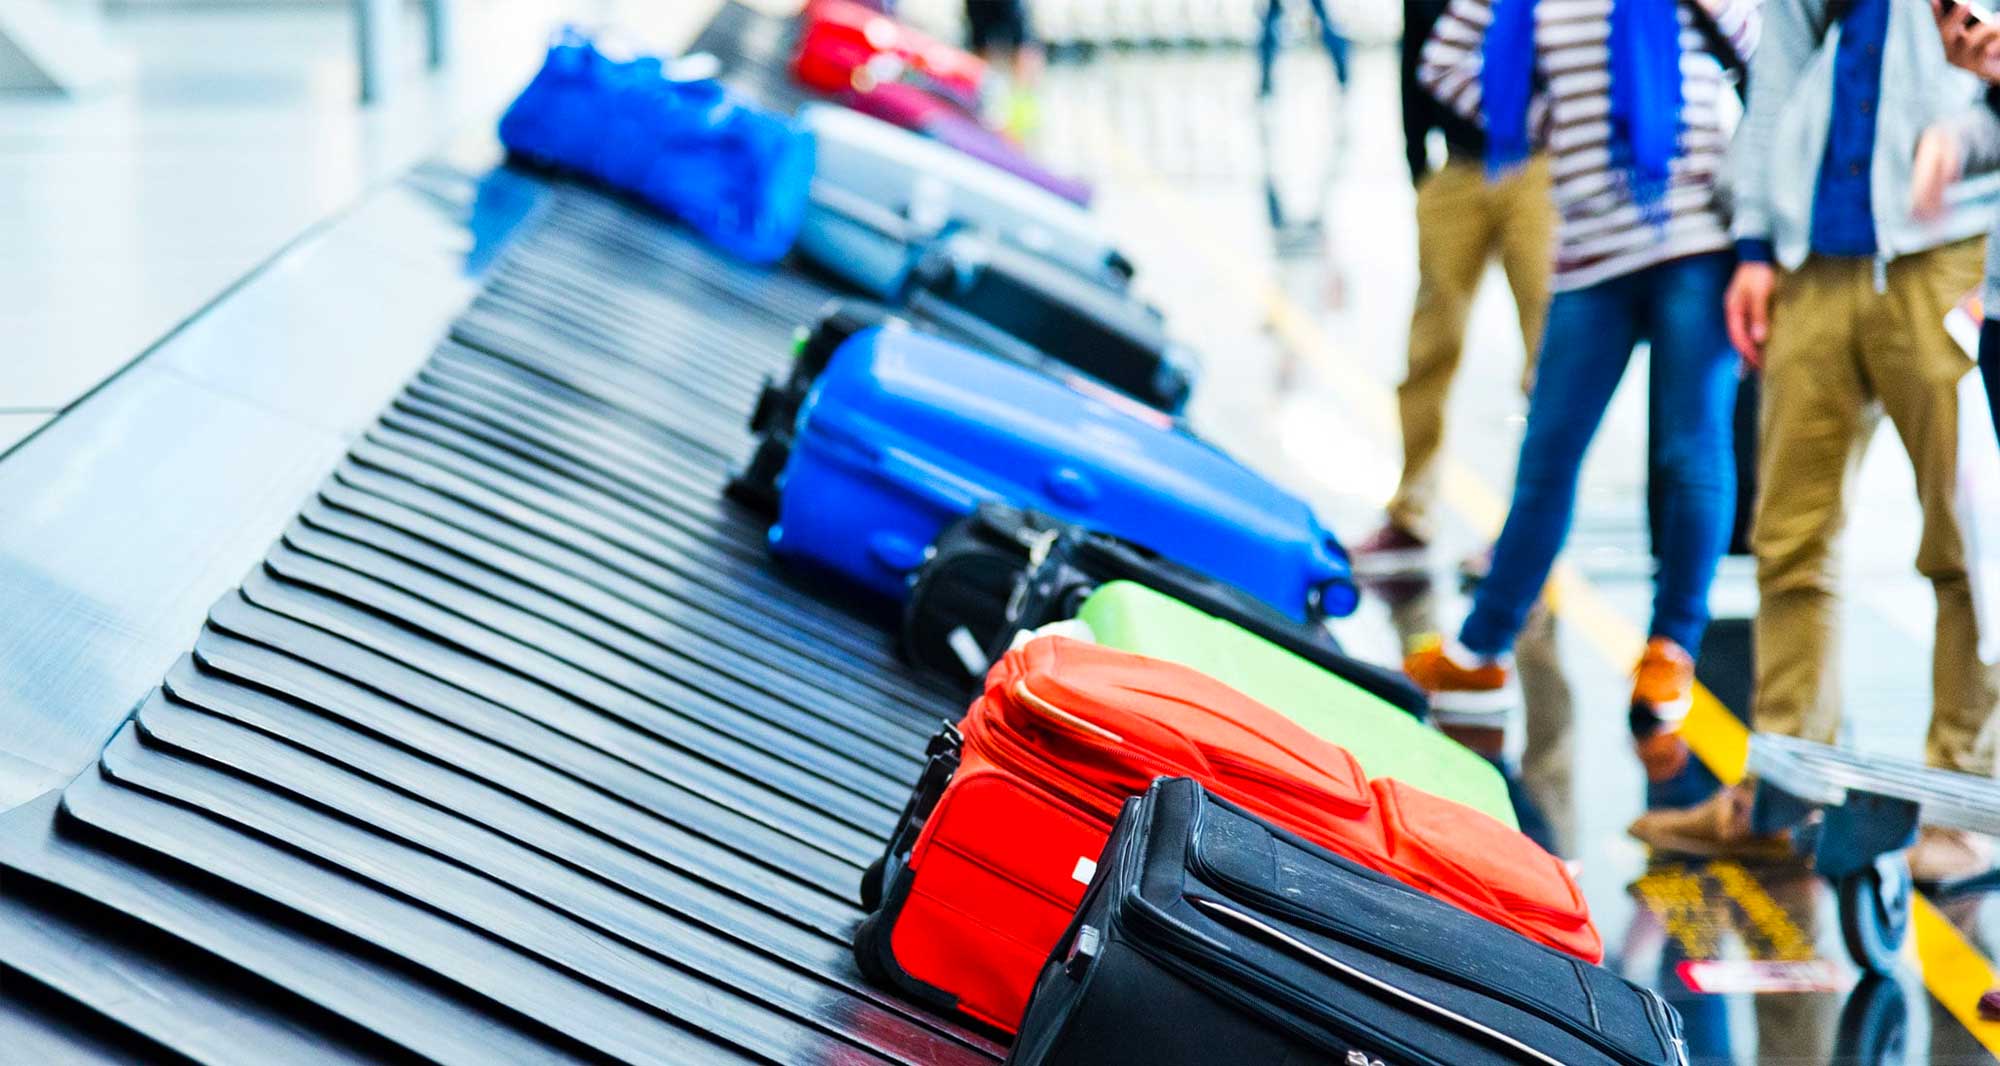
column 1270, row 22
column 1002, row 33
column 1841, row 299
column 1464, row 222
column 1624, row 94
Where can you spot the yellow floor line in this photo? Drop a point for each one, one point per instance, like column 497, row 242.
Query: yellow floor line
column 1954, row 971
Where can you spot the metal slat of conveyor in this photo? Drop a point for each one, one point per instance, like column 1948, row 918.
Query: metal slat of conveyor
column 517, row 747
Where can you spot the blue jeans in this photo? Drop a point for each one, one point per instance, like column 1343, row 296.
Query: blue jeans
column 1267, row 42
column 1677, row 307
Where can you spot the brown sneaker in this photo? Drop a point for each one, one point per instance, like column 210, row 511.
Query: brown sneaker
column 1463, row 687
column 1948, row 855
column 1662, row 694
column 1391, row 551
column 1716, row 828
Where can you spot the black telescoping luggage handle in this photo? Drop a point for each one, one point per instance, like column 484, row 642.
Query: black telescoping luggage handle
column 941, row 763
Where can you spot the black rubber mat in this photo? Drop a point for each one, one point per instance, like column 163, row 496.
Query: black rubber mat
column 517, row 747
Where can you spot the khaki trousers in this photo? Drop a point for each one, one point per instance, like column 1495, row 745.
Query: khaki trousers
column 1463, row 221
column 1838, row 347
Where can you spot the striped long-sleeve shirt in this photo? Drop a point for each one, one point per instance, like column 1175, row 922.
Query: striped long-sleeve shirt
column 1603, row 233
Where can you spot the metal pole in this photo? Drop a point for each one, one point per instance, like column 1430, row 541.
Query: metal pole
column 375, row 33
column 439, row 23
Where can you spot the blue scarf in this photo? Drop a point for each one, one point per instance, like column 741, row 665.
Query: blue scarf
column 1645, row 92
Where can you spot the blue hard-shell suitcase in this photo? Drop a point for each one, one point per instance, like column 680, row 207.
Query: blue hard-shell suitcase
column 904, row 432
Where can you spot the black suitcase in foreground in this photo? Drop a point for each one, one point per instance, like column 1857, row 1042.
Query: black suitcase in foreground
column 1208, row 935
column 1002, row 570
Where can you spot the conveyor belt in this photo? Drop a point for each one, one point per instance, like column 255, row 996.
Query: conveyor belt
column 517, row 748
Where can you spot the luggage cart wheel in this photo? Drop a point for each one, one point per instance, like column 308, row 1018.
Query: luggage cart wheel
column 1875, row 912
column 871, row 884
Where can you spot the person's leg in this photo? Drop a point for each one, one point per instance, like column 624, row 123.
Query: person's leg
column 1917, row 368
column 1691, row 495
column 1454, row 236
column 1694, row 383
column 1528, row 252
column 1330, row 37
column 1813, row 423
column 979, row 27
column 1526, row 218
column 1548, row 754
column 1267, row 43
column 1588, row 342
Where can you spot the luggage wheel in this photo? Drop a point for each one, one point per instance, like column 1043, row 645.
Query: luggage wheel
column 1869, row 807
column 871, row 884
column 757, row 486
column 868, row 952
column 1874, row 907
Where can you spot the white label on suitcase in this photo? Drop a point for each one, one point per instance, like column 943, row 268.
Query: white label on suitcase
column 1086, row 868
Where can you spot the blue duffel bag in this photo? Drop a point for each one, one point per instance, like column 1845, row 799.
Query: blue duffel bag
column 903, row 433
column 687, row 146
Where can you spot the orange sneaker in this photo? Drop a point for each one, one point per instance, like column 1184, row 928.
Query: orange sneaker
column 1662, row 693
column 1461, row 684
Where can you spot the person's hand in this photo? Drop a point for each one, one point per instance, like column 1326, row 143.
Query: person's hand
column 1938, row 166
column 1747, row 309
column 1968, row 44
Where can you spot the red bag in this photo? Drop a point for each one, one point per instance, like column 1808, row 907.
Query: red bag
column 849, row 46
column 1064, row 732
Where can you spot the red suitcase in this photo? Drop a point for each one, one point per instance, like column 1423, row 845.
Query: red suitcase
column 1014, row 819
column 845, row 46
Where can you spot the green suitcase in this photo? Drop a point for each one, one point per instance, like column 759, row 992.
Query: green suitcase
column 1384, row 738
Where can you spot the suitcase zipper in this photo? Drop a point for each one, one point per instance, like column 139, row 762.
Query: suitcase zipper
column 1261, row 897
column 1192, row 941
column 1273, row 935
column 1091, row 732
column 1013, row 749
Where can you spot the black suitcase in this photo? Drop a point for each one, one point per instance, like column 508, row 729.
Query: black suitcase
column 955, row 619
column 1068, row 568
column 871, row 247
column 1208, row 935
column 988, row 289
column 1002, row 570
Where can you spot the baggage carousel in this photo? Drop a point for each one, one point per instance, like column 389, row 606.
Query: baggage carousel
column 513, row 745
column 516, row 747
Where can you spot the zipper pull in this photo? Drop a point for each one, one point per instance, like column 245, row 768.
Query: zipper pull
column 946, row 739
column 1360, row 1058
